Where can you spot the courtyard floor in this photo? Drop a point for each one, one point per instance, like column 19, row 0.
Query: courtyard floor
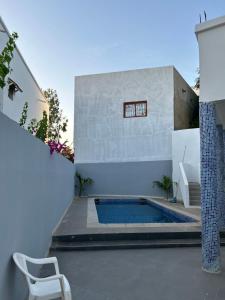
column 144, row 274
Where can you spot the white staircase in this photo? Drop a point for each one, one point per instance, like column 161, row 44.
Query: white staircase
column 194, row 194
column 188, row 189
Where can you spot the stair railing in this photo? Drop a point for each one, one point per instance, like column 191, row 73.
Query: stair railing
column 183, row 185
column 183, row 182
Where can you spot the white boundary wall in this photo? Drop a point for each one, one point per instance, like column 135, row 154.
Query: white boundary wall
column 189, row 139
column 35, row 190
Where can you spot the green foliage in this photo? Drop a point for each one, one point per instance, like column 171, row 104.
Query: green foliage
column 197, row 80
column 57, row 121
column 165, row 185
column 32, row 126
column 49, row 129
column 42, row 127
column 6, row 57
column 23, row 117
column 83, row 182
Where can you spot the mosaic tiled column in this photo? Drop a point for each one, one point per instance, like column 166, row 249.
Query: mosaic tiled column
column 209, row 203
column 223, row 203
column 220, row 175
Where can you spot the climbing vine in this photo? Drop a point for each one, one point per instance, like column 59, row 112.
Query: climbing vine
column 33, row 126
column 23, row 117
column 42, row 128
column 6, row 57
column 57, row 121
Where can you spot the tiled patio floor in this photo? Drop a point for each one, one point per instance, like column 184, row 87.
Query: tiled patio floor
column 145, row 274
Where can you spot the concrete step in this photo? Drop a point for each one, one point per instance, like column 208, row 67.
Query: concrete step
column 194, row 196
column 128, row 244
column 193, row 183
column 136, row 240
column 117, row 236
column 191, row 197
column 195, row 199
column 194, row 192
column 194, row 186
column 194, row 189
column 195, row 202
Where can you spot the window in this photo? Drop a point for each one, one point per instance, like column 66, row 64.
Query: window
column 11, row 91
column 135, row 109
column 13, row 88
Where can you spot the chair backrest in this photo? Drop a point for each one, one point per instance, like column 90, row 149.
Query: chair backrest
column 21, row 262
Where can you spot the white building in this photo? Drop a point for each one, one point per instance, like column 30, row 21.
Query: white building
column 123, row 127
column 21, row 86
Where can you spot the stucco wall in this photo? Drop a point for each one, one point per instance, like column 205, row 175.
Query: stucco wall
column 126, row 178
column 101, row 132
column 31, row 91
column 183, row 94
column 211, row 40
column 35, row 190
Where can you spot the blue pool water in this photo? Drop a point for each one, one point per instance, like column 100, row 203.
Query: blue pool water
column 136, row 211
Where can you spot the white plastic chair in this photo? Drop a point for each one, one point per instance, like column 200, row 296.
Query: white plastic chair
column 51, row 287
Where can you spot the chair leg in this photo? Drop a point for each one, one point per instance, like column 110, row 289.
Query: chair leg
column 68, row 296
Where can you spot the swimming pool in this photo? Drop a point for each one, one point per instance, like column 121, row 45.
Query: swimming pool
column 113, row 211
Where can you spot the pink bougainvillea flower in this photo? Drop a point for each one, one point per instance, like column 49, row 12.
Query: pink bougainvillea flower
column 56, row 146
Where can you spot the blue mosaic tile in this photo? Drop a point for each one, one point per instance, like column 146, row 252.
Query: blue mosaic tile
column 209, row 139
column 220, row 175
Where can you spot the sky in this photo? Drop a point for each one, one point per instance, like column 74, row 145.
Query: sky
column 61, row 39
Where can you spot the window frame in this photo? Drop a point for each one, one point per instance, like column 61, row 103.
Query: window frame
column 16, row 88
column 135, row 103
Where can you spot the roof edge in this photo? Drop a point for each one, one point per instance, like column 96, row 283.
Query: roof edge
column 122, row 71
column 208, row 25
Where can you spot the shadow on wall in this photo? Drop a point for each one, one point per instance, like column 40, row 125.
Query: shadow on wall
column 126, row 178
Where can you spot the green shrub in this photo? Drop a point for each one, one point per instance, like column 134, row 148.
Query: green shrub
column 165, row 185
column 83, row 182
